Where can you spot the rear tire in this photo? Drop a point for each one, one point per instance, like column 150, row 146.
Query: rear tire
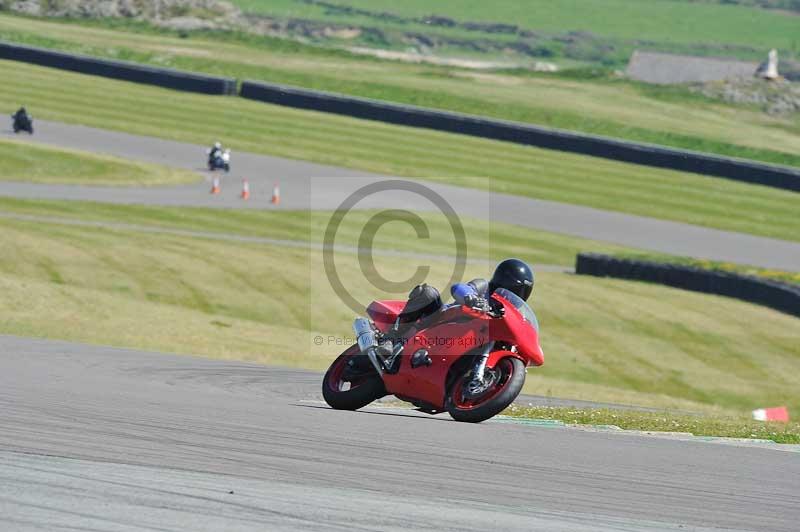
column 360, row 393
column 510, row 376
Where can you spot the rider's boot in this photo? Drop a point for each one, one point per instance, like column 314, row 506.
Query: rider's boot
column 390, row 350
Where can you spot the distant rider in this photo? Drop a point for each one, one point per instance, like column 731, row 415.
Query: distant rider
column 214, row 152
column 21, row 116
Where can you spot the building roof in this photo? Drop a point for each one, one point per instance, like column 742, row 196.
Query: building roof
column 653, row 67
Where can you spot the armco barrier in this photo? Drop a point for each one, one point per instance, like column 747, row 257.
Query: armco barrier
column 123, row 70
column 608, row 148
column 779, row 296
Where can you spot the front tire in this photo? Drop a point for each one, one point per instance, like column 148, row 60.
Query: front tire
column 359, row 393
column 506, row 380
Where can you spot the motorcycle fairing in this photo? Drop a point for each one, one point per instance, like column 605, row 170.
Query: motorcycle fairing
column 455, row 333
column 516, row 332
column 446, row 343
column 385, row 313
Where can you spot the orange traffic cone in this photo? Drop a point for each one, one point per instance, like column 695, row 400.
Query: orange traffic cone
column 215, row 189
column 245, row 189
column 276, row 194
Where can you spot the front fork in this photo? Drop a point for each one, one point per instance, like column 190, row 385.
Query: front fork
column 480, row 364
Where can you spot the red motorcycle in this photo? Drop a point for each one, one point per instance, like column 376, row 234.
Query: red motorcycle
column 468, row 361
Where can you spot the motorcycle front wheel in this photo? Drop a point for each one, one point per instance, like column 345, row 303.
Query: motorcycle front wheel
column 353, row 393
column 474, row 403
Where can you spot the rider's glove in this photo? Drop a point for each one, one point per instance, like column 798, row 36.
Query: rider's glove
column 477, row 302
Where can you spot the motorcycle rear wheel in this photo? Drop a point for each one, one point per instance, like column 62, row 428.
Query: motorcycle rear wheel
column 360, row 392
column 507, row 378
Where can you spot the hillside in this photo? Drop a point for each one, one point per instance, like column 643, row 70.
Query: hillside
column 568, row 31
column 599, row 104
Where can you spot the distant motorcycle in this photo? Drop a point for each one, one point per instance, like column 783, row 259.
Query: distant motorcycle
column 466, row 361
column 23, row 123
column 220, row 161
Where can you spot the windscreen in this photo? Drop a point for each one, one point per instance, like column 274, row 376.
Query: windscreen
column 520, row 305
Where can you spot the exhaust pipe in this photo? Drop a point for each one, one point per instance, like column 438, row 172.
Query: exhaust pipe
column 367, row 342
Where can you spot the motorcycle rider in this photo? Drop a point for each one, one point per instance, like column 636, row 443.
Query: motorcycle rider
column 512, row 274
column 21, row 116
column 214, row 152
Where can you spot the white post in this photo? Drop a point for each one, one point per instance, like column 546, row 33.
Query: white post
column 772, row 65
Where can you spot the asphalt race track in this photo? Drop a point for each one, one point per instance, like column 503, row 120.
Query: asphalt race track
column 310, row 186
column 95, row 438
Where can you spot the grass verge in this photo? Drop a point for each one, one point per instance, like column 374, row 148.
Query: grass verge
column 605, row 340
column 40, row 164
column 487, row 240
column 603, row 106
column 698, row 425
column 395, row 150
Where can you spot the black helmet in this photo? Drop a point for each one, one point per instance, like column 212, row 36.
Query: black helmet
column 513, row 275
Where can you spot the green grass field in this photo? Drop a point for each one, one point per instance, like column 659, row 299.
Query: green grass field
column 605, row 340
column 663, row 21
column 488, row 240
column 394, row 150
column 607, row 106
column 40, row 164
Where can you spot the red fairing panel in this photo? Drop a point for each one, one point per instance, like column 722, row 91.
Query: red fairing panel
column 516, row 331
column 445, row 343
column 384, row 313
column 453, row 333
